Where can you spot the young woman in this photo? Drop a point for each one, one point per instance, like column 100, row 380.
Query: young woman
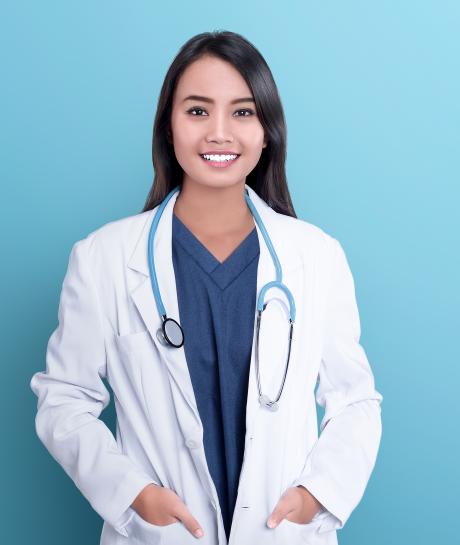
column 213, row 314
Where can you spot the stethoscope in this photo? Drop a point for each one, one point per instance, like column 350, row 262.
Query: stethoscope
column 171, row 334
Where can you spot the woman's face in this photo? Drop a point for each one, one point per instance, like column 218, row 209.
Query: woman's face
column 222, row 118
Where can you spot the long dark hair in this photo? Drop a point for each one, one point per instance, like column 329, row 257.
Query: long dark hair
column 268, row 178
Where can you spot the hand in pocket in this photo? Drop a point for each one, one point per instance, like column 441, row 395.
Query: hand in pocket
column 296, row 505
column 162, row 506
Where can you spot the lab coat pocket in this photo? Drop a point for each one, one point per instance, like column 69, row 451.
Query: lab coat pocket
column 145, row 533
column 135, row 367
column 131, row 348
column 127, row 342
column 137, row 361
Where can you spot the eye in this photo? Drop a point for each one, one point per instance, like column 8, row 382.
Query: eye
column 195, row 109
column 247, row 110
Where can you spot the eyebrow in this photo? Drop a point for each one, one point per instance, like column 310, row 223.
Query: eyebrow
column 211, row 101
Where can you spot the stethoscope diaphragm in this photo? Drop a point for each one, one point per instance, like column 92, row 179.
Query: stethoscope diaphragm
column 170, row 333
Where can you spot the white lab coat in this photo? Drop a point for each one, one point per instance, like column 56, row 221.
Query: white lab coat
column 108, row 321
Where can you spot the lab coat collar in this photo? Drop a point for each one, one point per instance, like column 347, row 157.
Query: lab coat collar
column 284, row 246
column 142, row 294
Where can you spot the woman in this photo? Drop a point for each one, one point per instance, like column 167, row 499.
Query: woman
column 216, row 429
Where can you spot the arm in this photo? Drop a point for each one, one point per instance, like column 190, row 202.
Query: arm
column 339, row 466
column 71, row 396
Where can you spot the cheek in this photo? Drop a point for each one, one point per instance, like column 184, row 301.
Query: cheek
column 183, row 136
column 185, row 145
column 252, row 145
column 183, row 132
column 253, row 137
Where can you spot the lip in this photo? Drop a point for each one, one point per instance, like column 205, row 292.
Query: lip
column 219, row 164
column 220, row 152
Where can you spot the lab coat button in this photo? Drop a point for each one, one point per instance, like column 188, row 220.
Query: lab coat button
column 191, row 443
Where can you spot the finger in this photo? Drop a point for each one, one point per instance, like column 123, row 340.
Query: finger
column 190, row 522
column 283, row 508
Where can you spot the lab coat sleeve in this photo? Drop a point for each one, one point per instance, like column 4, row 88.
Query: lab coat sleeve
column 340, row 463
column 71, row 396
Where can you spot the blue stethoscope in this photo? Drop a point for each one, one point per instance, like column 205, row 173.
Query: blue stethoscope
column 171, row 333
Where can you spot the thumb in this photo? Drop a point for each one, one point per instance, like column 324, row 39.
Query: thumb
column 279, row 513
column 190, row 522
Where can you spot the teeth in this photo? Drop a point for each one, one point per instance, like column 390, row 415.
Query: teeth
column 219, row 157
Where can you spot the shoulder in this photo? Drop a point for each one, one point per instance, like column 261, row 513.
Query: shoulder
column 114, row 238
column 310, row 239
column 318, row 249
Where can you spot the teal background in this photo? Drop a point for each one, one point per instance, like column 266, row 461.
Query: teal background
column 371, row 95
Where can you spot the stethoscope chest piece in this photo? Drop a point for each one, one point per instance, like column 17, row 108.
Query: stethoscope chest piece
column 170, row 333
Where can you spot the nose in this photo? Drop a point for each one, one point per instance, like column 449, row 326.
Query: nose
column 219, row 128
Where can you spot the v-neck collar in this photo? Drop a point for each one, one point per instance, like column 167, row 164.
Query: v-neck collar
column 222, row 272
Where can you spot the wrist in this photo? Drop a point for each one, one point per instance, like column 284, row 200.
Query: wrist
column 310, row 500
column 141, row 498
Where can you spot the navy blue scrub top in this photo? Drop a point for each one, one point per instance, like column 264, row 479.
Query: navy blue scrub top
column 217, row 310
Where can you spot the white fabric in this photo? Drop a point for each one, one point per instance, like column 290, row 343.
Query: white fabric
column 107, row 328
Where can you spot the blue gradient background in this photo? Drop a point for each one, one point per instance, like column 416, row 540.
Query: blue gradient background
column 371, row 95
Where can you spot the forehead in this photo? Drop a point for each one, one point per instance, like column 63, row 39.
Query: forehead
column 212, row 77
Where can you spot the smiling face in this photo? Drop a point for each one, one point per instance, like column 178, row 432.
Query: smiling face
column 214, row 111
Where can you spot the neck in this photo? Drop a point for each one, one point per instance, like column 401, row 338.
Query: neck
column 213, row 210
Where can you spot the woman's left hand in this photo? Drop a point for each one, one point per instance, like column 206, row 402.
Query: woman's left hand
column 296, row 505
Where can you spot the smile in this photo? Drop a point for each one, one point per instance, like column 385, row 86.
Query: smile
column 219, row 161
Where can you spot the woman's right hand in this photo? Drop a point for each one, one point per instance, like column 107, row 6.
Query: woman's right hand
column 162, row 506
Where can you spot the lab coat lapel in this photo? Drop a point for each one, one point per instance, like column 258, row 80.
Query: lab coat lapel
column 144, row 299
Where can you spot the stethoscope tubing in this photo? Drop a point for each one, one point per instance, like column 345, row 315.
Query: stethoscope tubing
column 166, row 339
